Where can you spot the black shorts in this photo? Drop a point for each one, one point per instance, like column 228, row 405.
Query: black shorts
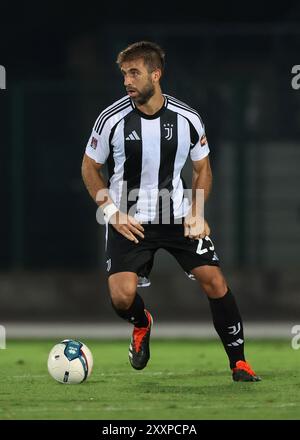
column 123, row 255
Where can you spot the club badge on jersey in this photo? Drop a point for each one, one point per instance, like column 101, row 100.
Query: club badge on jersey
column 94, row 143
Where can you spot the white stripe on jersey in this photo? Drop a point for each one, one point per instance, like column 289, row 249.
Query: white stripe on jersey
column 181, row 155
column 150, row 165
column 116, row 180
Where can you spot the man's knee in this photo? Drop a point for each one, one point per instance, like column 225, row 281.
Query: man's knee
column 215, row 287
column 122, row 290
column 211, row 280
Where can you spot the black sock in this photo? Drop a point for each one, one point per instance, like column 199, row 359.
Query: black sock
column 228, row 324
column 135, row 314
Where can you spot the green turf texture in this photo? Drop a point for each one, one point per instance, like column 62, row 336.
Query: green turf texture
column 184, row 380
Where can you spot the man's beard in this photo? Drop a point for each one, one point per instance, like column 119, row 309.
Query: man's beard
column 144, row 95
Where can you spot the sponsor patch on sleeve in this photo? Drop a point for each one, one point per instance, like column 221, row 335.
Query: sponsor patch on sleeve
column 94, row 143
column 203, row 140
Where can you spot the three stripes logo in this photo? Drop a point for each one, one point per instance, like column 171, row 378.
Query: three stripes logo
column 121, row 106
column 236, row 343
column 108, row 262
column 215, row 257
column 133, row 136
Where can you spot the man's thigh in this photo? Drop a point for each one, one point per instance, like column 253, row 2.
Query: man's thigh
column 192, row 253
column 123, row 255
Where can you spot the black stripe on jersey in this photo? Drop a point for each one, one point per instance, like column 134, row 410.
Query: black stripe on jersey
column 168, row 150
column 133, row 162
column 194, row 135
column 111, row 113
column 110, row 159
column 184, row 107
column 107, row 110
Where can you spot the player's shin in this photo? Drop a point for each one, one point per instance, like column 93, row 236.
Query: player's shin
column 135, row 314
column 228, row 324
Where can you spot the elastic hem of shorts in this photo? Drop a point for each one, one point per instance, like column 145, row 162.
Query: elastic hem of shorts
column 123, row 270
column 205, row 263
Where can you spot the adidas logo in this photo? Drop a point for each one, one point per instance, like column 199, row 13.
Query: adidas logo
column 108, row 262
column 236, row 343
column 215, row 257
column 133, row 136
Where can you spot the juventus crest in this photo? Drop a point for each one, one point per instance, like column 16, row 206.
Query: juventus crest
column 169, row 131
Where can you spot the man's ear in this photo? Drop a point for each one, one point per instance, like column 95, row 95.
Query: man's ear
column 156, row 75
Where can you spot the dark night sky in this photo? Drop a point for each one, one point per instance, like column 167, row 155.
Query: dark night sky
column 34, row 35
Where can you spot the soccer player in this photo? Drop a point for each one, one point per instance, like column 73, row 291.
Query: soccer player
column 146, row 138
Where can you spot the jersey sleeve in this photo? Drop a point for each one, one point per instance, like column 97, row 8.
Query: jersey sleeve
column 199, row 145
column 98, row 144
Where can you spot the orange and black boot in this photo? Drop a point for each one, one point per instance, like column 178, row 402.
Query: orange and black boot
column 139, row 350
column 242, row 372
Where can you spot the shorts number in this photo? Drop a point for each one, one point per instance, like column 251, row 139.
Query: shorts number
column 199, row 249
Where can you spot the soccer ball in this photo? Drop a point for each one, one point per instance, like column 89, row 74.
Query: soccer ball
column 70, row 362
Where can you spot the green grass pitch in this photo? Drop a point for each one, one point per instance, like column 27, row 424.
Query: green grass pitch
column 184, row 380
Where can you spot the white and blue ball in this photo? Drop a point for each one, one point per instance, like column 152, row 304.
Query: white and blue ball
column 70, row 362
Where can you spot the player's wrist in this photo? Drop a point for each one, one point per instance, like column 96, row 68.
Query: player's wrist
column 109, row 210
column 196, row 211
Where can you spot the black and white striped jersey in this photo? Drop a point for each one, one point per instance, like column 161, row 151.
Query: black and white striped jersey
column 145, row 155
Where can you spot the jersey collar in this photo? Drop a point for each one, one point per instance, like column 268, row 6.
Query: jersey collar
column 155, row 115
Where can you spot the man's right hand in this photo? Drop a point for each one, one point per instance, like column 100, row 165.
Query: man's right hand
column 127, row 226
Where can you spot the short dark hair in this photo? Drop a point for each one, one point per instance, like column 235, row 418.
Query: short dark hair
column 152, row 54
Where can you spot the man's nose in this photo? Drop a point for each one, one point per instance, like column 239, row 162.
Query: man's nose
column 127, row 81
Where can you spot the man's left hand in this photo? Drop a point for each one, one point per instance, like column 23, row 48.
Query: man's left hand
column 195, row 227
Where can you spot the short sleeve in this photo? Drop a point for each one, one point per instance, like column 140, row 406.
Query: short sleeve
column 199, row 145
column 98, row 144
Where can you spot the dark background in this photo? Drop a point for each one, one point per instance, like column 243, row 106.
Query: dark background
column 232, row 62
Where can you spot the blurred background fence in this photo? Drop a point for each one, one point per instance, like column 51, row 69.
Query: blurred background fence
column 239, row 79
